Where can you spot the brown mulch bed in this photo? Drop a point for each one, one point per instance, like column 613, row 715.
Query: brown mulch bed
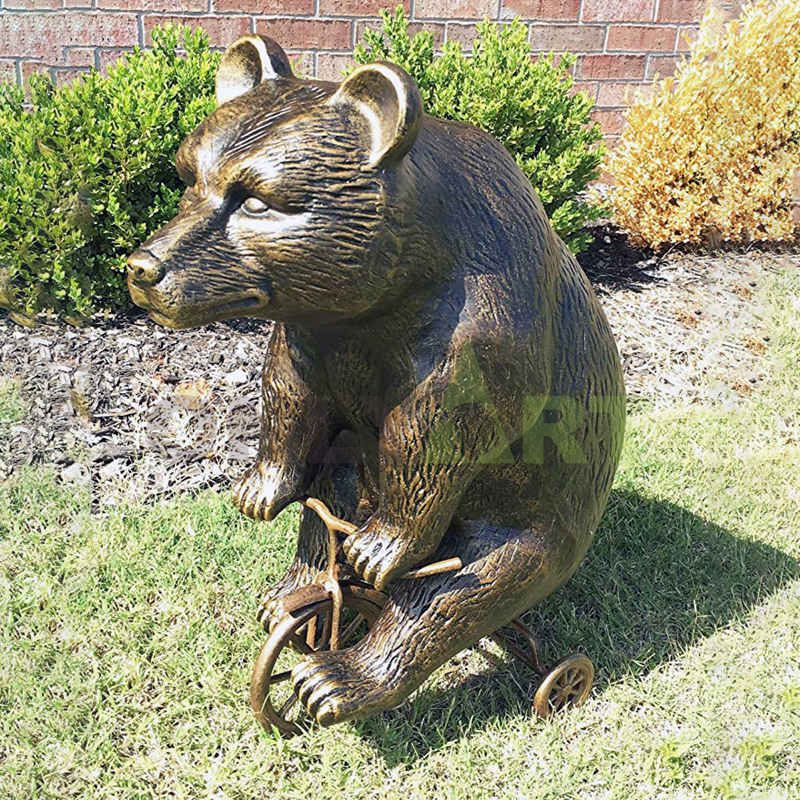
column 141, row 411
column 688, row 325
column 137, row 409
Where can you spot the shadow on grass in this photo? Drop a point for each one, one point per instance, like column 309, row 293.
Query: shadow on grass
column 657, row 579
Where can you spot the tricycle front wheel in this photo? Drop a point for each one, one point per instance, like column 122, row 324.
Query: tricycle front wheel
column 298, row 633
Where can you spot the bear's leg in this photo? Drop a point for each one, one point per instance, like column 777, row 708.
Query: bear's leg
column 338, row 487
column 426, row 621
column 295, row 427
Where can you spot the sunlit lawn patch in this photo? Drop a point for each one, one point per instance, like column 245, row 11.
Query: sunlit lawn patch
column 127, row 639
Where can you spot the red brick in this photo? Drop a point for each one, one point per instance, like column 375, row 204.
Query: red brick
column 312, row 34
column 221, row 30
column 611, row 94
column 153, row 5
column 663, row 66
column 330, row 66
column 32, row 5
column 587, row 87
column 108, row 57
column 266, row 6
column 541, row 9
column 28, row 68
column 78, row 57
column 68, row 75
column 680, row 10
column 464, row 34
column 355, row 8
column 611, row 67
column 611, row 122
column 37, row 35
column 77, row 3
column 8, row 70
column 434, row 28
column 567, row 38
column 647, row 38
column 456, row 9
column 618, row 10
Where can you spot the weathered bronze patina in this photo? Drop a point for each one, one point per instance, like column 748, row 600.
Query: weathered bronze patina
column 440, row 373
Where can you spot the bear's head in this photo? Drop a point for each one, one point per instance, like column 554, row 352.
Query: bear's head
column 294, row 200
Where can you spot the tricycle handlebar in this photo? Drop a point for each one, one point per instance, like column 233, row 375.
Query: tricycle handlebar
column 336, row 525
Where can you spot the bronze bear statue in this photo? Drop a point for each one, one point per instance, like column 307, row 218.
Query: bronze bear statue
column 440, row 371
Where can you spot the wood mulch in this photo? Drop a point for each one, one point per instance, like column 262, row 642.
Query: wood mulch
column 688, row 325
column 136, row 409
column 140, row 411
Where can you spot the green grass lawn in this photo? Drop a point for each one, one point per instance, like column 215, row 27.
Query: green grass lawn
column 127, row 639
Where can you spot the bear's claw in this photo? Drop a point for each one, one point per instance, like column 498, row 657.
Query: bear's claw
column 334, row 687
column 264, row 491
column 379, row 556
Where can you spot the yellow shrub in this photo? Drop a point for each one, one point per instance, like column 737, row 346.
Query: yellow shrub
column 712, row 154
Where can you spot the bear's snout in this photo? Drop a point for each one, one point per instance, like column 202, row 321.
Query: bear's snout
column 144, row 269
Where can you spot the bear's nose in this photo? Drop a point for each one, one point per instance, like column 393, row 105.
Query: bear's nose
column 144, row 268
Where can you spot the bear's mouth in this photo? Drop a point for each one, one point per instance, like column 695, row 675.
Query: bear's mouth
column 246, row 305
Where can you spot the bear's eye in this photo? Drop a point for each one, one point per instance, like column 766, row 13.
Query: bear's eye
column 254, row 206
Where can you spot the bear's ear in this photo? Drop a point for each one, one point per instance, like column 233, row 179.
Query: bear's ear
column 387, row 97
column 246, row 63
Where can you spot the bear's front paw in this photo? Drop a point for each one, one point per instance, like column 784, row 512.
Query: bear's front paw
column 379, row 553
column 264, row 491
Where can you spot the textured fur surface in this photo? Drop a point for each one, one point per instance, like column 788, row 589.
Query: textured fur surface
column 440, row 370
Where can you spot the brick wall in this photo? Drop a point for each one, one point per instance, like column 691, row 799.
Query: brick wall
column 621, row 43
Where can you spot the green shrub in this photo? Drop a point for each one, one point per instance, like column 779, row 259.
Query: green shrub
column 87, row 172
column 527, row 104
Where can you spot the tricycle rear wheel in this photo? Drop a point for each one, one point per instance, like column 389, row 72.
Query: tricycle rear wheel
column 568, row 684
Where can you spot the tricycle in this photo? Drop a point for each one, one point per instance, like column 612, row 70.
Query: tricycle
column 337, row 608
